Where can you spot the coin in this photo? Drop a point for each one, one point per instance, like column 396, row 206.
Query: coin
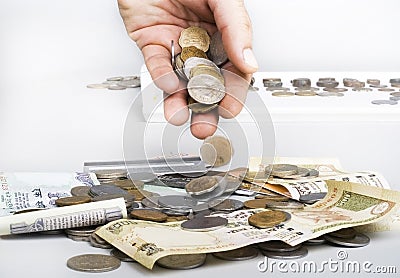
column 301, row 82
column 395, row 94
column 297, row 254
column 256, row 203
column 181, row 262
column 128, row 184
column 114, row 174
column 203, row 224
column 379, row 86
column 74, row 200
column 240, row 254
column 217, row 51
column 148, row 215
column 115, row 78
column 140, row 194
column 336, row 90
column 98, row 86
column 216, row 151
column 312, row 197
column 306, row 93
column 150, row 202
column 206, row 89
column 172, row 212
column 80, row 191
column 130, row 83
column 176, row 218
column 395, row 98
column 255, row 176
column 360, row 240
column 93, row 242
column 285, row 205
column 207, row 70
column 349, row 82
column 327, row 83
column 177, row 202
column 192, row 51
column 282, row 94
column 394, row 81
column 277, row 89
column 194, row 62
column 301, row 173
column 373, row 81
column 266, row 219
column 225, row 205
column 93, row 263
column 344, row 233
column 79, row 238
column 195, row 36
column 278, row 246
column 81, row 231
column 128, row 198
column 384, row 101
column 272, row 198
column 200, row 108
column 281, row 169
column 116, row 87
column 105, row 189
column 121, row 256
column 316, row 241
column 202, row 185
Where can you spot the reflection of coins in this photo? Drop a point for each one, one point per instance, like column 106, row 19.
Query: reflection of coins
column 266, row 219
column 195, row 36
column 202, row 185
column 186, row 261
column 75, row 200
column 148, row 215
column 216, row 151
column 93, row 263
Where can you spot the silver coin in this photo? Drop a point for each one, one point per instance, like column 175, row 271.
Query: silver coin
column 312, row 197
column 273, row 84
column 150, row 202
column 395, row 94
column 93, row 263
column 362, row 89
column 225, row 205
column 282, row 94
column 349, row 82
column 79, row 238
column 206, row 89
column 384, row 101
column 97, row 238
column 343, row 233
column 301, row 172
column 240, row 254
column 360, row 240
column 313, row 173
column 111, row 174
column 128, row 198
column 176, row 212
column 330, row 94
column 96, row 244
column 380, row 86
column 310, row 88
column 115, row 78
column 202, row 185
column 132, row 77
column 177, row 202
column 193, row 62
column 328, row 84
column 81, row 231
column 285, row 205
column 325, row 79
column 116, row 87
column 336, row 90
column 277, row 89
column 278, row 246
column 395, row 98
column 394, row 81
column 106, row 189
column 301, row 82
column 281, row 169
column 98, row 86
column 217, row 51
column 121, row 256
column 204, row 224
column 132, row 83
column 306, row 93
column 297, row 254
column 373, row 81
column 181, row 262
column 144, row 177
column 315, row 241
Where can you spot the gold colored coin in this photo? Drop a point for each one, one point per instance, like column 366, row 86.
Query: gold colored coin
column 140, row 194
column 128, row 184
column 149, row 215
column 192, row 51
column 267, row 219
column 70, row 201
column 176, row 218
column 256, row 203
column 195, row 36
column 205, row 69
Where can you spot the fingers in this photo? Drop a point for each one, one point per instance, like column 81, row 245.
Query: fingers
column 204, row 125
column 176, row 111
column 234, row 24
column 237, row 85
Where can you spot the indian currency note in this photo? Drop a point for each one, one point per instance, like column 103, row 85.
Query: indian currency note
column 38, row 190
column 345, row 205
column 89, row 214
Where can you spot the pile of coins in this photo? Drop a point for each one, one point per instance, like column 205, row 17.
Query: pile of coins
column 117, row 83
column 329, row 86
column 198, row 63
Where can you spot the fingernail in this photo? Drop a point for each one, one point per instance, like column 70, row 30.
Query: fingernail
column 249, row 58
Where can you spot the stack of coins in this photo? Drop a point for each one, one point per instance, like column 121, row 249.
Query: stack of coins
column 80, row 234
column 107, row 176
column 97, row 241
column 198, row 64
column 280, row 250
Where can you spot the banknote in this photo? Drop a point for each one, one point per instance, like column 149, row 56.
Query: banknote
column 328, row 168
column 345, row 205
column 89, row 214
column 38, row 190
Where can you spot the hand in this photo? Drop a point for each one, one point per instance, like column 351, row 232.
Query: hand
column 152, row 24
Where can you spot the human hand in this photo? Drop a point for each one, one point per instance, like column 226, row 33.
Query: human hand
column 152, row 24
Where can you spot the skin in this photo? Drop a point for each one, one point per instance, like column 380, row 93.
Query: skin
column 152, row 24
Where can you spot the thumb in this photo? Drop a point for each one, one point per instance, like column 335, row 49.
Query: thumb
column 235, row 26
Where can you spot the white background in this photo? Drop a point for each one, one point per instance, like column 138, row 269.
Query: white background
column 50, row 51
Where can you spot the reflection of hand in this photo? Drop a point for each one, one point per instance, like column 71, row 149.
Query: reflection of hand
column 152, row 24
